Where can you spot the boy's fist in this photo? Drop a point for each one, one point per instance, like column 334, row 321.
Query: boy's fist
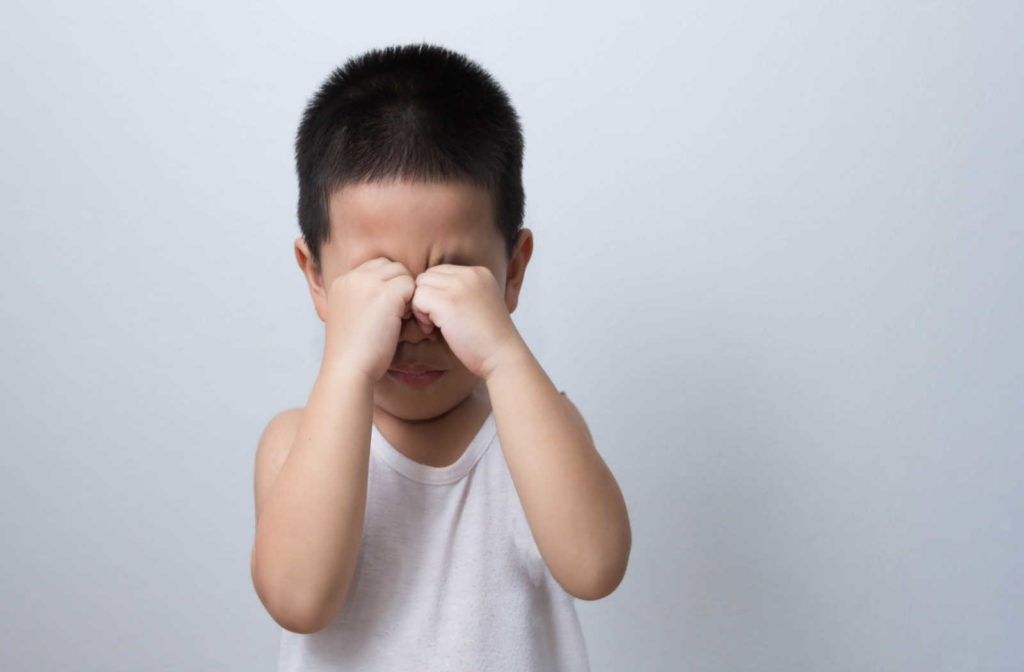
column 365, row 309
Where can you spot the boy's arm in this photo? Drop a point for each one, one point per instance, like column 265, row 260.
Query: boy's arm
column 575, row 509
column 311, row 479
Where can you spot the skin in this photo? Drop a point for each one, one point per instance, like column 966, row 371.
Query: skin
column 420, row 226
column 459, row 320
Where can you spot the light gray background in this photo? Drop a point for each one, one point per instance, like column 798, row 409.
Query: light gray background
column 778, row 267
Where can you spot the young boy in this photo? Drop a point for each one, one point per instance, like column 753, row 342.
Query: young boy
column 438, row 504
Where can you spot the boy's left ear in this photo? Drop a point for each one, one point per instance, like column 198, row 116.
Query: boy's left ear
column 521, row 254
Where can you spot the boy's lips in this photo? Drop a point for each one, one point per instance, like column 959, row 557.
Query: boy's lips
column 416, row 379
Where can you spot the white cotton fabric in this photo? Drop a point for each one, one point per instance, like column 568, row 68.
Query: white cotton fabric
column 448, row 577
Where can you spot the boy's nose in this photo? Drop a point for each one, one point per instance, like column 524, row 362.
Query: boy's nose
column 412, row 332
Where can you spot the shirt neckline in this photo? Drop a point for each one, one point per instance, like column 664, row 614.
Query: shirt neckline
column 425, row 473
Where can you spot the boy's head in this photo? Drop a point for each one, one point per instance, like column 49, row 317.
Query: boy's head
column 413, row 153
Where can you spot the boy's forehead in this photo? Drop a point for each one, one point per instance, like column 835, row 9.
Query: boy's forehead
column 417, row 218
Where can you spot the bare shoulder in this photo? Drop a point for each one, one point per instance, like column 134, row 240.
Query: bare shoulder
column 576, row 414
column 272, row 451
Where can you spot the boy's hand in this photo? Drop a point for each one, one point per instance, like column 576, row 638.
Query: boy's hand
column 365, row 307
column 465, row 303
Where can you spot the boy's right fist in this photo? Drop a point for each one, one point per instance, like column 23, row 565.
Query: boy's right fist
column 365, row 308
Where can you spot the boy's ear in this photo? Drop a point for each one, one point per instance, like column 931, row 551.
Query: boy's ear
column 521, row 254
column 313, row 278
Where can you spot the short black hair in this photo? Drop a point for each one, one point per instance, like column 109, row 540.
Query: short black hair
column 415, row 112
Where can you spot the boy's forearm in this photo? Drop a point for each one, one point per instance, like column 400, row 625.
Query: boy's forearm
column 309, row 531
column 575, row 509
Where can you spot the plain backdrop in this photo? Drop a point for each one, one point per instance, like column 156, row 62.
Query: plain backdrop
column 779, row 255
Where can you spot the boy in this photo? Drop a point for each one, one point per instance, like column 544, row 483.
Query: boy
column 438, row 503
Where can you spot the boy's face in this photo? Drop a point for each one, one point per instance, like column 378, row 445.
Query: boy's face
column 420, row 225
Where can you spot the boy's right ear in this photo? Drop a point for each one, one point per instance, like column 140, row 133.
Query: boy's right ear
column 313, row 278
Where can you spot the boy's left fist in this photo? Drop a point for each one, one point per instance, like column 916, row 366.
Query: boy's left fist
column 466, row 304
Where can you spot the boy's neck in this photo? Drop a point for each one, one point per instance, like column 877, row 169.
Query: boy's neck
column 440, row 441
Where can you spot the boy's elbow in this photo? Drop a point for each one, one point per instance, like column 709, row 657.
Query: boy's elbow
column 607, row 579
column 297, row 616
column 297, row 620
column 303, row 622
column 603, row 586
column 301, row 616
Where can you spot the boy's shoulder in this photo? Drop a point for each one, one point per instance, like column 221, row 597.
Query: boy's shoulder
column 272, row 450
column 280, row 425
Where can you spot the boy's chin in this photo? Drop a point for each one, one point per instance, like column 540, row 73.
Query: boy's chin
column 427, row 402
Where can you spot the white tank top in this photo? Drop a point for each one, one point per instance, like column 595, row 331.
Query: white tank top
column 448, row 576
